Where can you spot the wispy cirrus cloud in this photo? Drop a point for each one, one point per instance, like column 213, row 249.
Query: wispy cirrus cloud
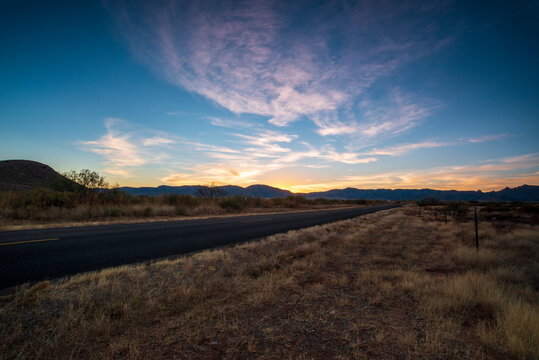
column 124, row 147
column 244, row 57
column 230, row 123
column 127, row 147
column 390, row 116
column 486, row 138
column 157, row 141
column 403, row 149
column 493, row 174
column 198, row 146
column 268, row 151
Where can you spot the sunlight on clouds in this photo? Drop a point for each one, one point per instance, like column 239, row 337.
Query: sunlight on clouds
column 261, row 155
column 493, row 176
column 218, row 174
column 154, row 141
column 126, row 147
column 123, row 148
column 118, row 149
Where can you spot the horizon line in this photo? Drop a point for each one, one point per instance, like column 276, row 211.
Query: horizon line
column 338, row 188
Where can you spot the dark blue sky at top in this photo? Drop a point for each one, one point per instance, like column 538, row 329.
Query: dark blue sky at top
column 66, row 66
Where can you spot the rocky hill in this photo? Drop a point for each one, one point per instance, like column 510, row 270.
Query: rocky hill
column 18, row 175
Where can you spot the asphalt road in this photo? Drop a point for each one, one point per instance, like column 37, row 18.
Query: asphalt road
column 32, row 255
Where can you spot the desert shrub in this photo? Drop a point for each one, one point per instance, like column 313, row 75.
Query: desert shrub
column 529, row 208
column 362, row 202
column 147, row 211
column 258, row 202
column 115, row 197
column 113, row 212
column 429, row 201
column 496, row 207
column 294, row 201
column 181, row 200
column 182, row 210
column 233, row 203
column 458, row 209
column 39, row 198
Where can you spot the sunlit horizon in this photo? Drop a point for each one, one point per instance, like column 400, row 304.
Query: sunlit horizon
column 300, row 96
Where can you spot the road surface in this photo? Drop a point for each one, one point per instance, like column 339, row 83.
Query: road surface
column 32, row 255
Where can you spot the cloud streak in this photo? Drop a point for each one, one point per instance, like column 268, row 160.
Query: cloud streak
column 403, row 149
column 124, row 149
column 486, row 138
column 267, row 58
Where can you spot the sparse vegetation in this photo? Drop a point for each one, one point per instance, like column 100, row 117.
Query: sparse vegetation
column 94, row 203
column 387, row 285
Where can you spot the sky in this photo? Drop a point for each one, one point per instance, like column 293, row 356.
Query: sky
column 300, row 95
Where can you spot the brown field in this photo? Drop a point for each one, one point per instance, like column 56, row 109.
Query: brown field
column 389, row 285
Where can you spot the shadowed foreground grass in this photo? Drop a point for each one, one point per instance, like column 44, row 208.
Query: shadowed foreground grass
column 385, row 285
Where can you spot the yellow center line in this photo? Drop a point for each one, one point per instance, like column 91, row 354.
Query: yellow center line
column 28, row 241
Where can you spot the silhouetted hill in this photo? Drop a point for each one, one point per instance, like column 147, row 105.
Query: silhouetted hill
column 160, row 190
column 18, row 175
column 527, row 193
column 266, row 191
column 263, row 191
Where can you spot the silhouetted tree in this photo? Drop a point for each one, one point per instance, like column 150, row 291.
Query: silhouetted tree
column 210, row 192
column 90, row 180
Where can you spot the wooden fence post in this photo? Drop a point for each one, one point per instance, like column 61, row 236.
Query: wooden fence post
column 476, row 232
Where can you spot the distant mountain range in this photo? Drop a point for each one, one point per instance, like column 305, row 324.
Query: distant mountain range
column 263, row 191
column 18, row 175
column 527, row 193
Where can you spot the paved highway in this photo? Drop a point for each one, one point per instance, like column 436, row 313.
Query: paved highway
column 32, row 255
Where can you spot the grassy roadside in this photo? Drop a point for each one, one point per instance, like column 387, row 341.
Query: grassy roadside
column 385, row 285
column 26, row 225
column 45, row 208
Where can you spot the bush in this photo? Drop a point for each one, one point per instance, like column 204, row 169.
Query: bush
column 181, row 200
column 529, row 208
column 233, row 203
column 147, row 211
column 113, row 212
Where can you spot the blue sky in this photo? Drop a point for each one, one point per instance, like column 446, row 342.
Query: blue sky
column 299, row 95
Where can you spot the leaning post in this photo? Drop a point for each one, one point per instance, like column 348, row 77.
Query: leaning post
column 476, row 232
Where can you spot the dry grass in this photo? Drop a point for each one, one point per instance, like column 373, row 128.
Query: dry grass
column 386, row 285
column 47, row 207
column 160, row 214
